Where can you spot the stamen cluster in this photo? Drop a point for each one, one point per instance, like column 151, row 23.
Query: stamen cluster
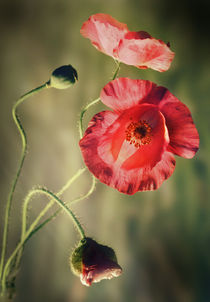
column 138, row 133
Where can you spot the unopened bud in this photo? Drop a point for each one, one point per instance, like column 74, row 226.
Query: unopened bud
column 63, row 77
column 94, row 262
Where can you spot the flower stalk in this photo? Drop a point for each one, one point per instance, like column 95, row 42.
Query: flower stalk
column 117, row 70
column 28, row 232
column 82, row 115
column 94, row 102
column 22, row 158
column 92, row 188
column 42, row 213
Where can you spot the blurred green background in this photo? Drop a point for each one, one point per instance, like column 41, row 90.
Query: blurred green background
column 162, row 238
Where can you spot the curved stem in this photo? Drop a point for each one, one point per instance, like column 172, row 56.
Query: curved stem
column 82, row 115
column 63, row 206
column 71, row 180
column 22, row 158
column 33, row 228
column 23, row 240
column 28, row 198
column 59, row 210
column 94, row 102
column 47, row 207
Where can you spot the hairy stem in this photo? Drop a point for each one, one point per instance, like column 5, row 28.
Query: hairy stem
column 59, row 210
column 94, row 102
column 22, row 241
column 22, row 158
column 82, row 115
column 47, row 207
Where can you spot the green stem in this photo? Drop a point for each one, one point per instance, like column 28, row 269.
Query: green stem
column 71, row 202
column 47, row 207
column 36, row 229
column 71, row 180
column 28, row 198
column 27, row 234
column 94, row 102
column 22, row 158
column 82, row 115
column 117, row 70
column 63, row 206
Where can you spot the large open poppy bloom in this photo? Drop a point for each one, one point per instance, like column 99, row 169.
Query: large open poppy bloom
column 131, row 148
column 133, row 48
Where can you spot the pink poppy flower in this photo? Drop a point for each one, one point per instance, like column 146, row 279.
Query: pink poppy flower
column 94, row 262
column 132, row 147
column 133, row 48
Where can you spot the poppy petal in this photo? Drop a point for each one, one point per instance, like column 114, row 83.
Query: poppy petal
column 131, row 149
column 149, row 155
column 184, row 137
column 145, row 179
column 144, row 52
column 104, row 32
column 124, row 93
column 133, row 48
column 152, row 179
column 128, row 169
column 89, row 144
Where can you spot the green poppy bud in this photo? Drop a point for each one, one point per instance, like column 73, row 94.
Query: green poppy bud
column 63, row 77
column 94, row 262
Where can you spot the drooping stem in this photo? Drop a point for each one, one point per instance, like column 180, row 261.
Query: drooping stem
column 34, row 228
column 62, row 205
column 28, row 198
column 27, row 234
column 22, row 158
column 59, row 210
column 47, row 207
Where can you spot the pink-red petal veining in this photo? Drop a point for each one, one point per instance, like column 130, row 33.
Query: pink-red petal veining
column 133, row 169
column 104, row 32
column 145, row 53
column 113, row 154
column 184, row 137
column 133, row 48
column 124, row 93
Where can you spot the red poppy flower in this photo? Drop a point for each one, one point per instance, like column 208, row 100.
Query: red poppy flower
column 131, row 148
column 133, row 48
column 94, row 262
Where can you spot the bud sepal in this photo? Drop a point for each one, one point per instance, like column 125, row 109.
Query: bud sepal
column 93, row 262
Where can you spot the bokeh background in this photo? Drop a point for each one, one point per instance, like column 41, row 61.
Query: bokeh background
column 162, row 238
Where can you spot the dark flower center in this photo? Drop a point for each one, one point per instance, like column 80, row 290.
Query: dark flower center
column 138, row 133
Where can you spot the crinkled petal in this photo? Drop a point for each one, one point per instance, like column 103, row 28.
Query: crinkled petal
column 133, row 48
column 145, row 178
column 184, row 137
column 104, row 32
column 144, row 52
column 89, row 143
column 124, row 93
column 152, row 179
column 107, row 270
column 125, row 154
column 120, row 164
